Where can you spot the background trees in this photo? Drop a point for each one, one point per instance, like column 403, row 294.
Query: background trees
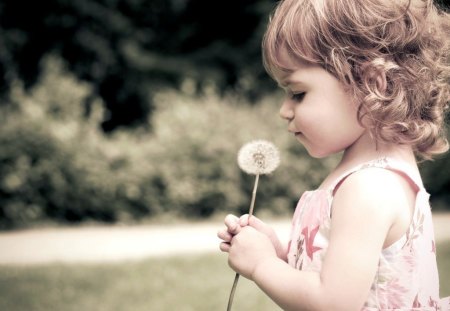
column 128, row 49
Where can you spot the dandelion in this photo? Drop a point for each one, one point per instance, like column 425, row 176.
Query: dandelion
column 258, row 157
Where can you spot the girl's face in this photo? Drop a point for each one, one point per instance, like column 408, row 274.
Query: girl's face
column 320, row 113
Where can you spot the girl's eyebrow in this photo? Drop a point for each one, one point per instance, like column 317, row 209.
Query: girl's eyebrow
column 284, row 83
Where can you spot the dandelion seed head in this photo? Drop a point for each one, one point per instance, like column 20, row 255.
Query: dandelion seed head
column 258, row 157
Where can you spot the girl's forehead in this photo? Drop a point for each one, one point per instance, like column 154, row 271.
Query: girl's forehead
column 288, row 60
column 293, row 78
column 287, row 65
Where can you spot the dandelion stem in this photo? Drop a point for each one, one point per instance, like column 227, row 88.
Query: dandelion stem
column 233, row 289
column 252, row 204
column 250, row 213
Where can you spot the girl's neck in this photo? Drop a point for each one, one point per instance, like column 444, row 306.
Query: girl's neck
column 365, row 149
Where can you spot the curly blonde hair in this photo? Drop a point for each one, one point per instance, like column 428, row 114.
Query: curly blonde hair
column 406, row 42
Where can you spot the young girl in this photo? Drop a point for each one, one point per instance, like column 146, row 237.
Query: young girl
column 369, row 78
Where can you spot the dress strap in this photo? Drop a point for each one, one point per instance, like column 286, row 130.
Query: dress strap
column 399, row 167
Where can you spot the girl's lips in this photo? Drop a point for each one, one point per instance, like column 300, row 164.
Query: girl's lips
column 296, row 133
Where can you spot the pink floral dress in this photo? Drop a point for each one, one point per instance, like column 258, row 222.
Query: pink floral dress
column 407, row 276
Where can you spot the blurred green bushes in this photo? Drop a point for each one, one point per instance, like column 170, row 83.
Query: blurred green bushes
column 57, row 165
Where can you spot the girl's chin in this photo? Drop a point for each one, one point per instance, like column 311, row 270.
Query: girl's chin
column 317, row 153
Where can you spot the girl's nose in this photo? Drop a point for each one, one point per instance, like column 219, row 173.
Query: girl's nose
column 286, row 111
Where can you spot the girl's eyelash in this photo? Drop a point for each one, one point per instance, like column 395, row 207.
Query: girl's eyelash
column 298, row 96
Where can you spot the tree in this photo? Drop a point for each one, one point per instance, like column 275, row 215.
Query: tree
column 128, row 49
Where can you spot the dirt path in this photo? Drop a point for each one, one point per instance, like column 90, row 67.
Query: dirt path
column 109, row 244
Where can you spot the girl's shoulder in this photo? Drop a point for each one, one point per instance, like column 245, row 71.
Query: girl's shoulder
column 378, row 174
column 382, row 190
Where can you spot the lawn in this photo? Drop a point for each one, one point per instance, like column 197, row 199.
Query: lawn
column 197, row 283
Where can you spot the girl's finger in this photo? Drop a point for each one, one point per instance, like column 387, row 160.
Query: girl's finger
column 244, row 220
column 254, row 222
column 224, row 247
column 224, row 235
column 232, row 223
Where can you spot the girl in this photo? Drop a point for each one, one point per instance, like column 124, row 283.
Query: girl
column 369, row 78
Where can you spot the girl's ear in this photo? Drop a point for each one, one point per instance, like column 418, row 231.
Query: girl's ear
column 375, row 71
column 381, row 81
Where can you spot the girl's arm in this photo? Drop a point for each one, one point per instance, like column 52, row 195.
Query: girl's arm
column 364, row 210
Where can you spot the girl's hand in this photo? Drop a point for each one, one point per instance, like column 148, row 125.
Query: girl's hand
column 249, row 240
column 262, row 227
column 248, row 249
column 234, row 226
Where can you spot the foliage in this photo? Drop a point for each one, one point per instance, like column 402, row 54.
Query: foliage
column 129, row 49
column 43, row 173
column 437, row 180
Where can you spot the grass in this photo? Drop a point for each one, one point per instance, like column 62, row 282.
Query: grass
column 199, row 283
column 182, row 283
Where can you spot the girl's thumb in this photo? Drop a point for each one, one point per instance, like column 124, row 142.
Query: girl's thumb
column 255, row 222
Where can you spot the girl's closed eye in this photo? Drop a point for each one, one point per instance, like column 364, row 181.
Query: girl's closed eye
column 298, row 96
